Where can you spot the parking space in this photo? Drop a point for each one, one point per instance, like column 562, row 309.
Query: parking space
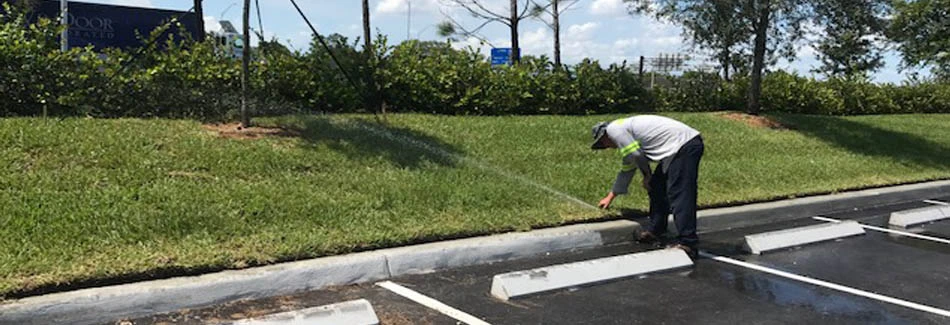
column 878, row 217
column 395, row 310
column 875, row 262
column 877, row 277
column 709, row 293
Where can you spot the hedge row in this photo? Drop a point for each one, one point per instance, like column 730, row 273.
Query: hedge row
column 193, row 80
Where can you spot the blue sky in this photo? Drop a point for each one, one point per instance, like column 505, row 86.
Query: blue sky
column 599, row 29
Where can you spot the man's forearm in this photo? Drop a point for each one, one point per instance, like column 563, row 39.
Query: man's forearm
column 622, row 182
column 644, row 165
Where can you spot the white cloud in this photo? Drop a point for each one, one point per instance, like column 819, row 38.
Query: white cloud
column 627, row 43
column 402, row 6
column 212, row 24
column 582, row 31
column 391, row 6
column 537, row 42
column 608, row 8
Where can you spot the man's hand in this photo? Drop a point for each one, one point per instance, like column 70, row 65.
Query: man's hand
column 646, row 183
column 605, row 202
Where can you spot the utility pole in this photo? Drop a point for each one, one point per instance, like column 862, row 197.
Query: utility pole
column 245, row 61
column 64, row 38
column 200, row 19
column 367, row 42
column 556, row 17
column 408, row 19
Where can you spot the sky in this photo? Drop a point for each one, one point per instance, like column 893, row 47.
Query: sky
column 597, row 29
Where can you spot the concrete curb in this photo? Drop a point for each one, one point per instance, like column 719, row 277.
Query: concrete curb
column 481, row 250
column 99, row 305
column 106, row 304
column 769, row 212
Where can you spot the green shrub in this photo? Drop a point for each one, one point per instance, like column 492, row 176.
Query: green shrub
column 612, row 90
column 930, row 97
column 790, row 93
column 432, row 77
column 860, row 97
column 188, row 80
column 193, row 80
column 692, row 92
column 35, row 77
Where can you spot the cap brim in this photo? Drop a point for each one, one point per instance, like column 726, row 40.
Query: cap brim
column 598, row 144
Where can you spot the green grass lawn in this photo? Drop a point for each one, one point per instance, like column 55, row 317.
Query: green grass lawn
column 99, row 201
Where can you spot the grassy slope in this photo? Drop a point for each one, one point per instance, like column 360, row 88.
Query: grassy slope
column 91, row 199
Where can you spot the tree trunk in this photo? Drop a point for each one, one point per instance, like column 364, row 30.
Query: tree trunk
column 758, row 63
column 245, row 61
column 374, row 101
column 557, row 34
column 725, row 60
column 200, row 19
column 367, row 42
column 515, row 55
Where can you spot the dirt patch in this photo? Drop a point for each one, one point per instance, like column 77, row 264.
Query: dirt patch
column 754, row 120
column 236, row 131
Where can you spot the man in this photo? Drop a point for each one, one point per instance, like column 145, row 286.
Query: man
column 677, row 149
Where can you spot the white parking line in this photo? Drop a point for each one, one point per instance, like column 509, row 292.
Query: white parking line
column 936, row 202
column 829, row 285
column 431, row 303
column 892, row 231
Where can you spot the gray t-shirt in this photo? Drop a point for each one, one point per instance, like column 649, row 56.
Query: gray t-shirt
column 645, row 138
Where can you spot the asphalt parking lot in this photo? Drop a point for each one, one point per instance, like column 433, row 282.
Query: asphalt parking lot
column 878, row 277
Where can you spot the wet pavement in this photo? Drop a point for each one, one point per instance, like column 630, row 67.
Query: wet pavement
column 712, row 292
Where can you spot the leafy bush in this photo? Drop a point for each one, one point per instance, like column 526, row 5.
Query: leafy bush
column 432, row 77
column 612, row 90
column 35, row 77
column 928, row 97
column 190, row 80
column 691, row 92
column 193, row 80
column 785, row 92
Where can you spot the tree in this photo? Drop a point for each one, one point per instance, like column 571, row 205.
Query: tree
column 245, row 61
column 921, row 30
column 478, row 9
column 708, row 25
column 370, row 53
column 853, row 30
column 554, row 9
column 770, row 27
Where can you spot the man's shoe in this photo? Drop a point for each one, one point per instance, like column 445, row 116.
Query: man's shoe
column 690, row 251
column 646, row 237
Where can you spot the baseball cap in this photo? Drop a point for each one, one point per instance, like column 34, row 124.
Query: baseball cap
column 598, row 132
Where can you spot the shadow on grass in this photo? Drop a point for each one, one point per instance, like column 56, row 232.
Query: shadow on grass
column 360, row 139
column 864, row 139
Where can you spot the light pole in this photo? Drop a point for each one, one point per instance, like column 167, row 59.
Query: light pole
column 226, row 10
column 64, row 38
column 408, row 19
